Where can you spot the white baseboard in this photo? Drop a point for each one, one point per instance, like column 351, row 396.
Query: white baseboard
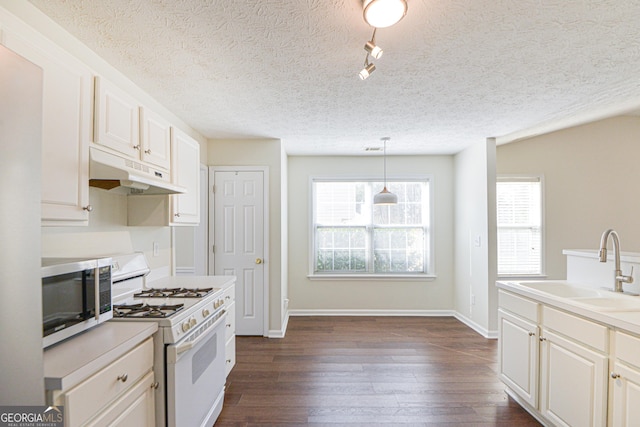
column 476, row 327
column 343, row 312
column 280, row 333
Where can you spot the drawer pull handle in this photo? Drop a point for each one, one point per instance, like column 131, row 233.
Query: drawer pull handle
column 614, row 375
column 227, row 297
column 148, row 151
column 228, row 360
column 542, row 339
column 87, row 208
column 123, row 378
column 228, row 325
column 531, row 334
column 155, row 385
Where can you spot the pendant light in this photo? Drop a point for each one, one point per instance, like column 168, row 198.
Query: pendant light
column 385, row 197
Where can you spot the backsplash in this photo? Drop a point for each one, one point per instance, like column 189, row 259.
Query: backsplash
column 584, row 268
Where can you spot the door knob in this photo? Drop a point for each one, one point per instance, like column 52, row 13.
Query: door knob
column 258, row 261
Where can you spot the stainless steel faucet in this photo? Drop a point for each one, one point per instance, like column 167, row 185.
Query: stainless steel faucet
column 619, row 277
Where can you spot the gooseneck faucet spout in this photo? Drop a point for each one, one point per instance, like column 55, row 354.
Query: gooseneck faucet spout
column 619, row 277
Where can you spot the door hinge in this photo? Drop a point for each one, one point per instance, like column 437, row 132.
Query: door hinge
column 213, row 189
column 213, row 249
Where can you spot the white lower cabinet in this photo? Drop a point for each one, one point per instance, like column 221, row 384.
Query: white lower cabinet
column 555, row 363
column 230, row 328
column 573, row 382
column 625, row 381
column 122, row 393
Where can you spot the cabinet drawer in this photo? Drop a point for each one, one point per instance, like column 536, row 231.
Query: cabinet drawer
column 230, row 355
column 86, row 399
column 578, row 329
column 627, row 348
column 523, row 307
column 230, row 326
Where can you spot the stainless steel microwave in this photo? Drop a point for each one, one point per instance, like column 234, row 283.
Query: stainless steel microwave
column 76, row 296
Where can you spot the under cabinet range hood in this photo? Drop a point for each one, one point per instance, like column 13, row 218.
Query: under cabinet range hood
column 120, row 174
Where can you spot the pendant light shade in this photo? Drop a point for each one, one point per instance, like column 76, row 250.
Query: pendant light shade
column 385, row 197
column 384, row 13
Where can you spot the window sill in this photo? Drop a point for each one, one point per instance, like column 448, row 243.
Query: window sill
column 374, row 277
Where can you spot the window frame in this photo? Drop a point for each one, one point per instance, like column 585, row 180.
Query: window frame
column 525, row 178
column 429, row 240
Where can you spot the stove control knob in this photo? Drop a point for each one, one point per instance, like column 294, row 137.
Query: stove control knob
column 186, row 326
column 193, row 322
column 205, row 313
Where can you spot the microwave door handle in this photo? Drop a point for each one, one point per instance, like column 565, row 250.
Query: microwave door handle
column 96, row 291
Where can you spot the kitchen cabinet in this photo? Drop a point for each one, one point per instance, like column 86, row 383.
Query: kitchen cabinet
column 175, row 209
column 155, row 134
column 519, row 348
column 185, row 158
column 66, row 127
column 625, row 381
column 130, row 129
column 230, row 327
column 104, row 376
column 117, row 119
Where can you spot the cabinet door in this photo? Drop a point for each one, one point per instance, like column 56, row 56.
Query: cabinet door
column 156, row 139
column 518, row 347
column 185, row 160
column 134, row 408
column 626, row 395
column 66, row 129
column 116, row 119
column 573, row 383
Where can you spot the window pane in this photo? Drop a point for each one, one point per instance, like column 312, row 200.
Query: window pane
column 341, row 249
column 519, row 218
column 340, row 203
column 354, row 236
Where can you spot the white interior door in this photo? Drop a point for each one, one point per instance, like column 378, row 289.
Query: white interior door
column 239, row 242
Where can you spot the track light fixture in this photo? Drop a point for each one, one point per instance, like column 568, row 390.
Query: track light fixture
column 367, row 70
column 379, row 14
column 372, row 49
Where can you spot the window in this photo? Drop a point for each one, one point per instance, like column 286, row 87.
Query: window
column 353, row 236
column 519, row 217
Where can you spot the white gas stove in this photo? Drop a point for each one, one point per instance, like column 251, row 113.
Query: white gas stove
column 189, row 362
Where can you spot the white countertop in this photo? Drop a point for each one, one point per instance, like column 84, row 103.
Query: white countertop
column 71, row 362
column 624, row 320
column 193, row 282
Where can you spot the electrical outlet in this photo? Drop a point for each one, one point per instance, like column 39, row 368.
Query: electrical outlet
column 156, row 249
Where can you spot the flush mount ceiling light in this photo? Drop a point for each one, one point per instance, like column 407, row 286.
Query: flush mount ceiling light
column 384, row 13
column 385, row 197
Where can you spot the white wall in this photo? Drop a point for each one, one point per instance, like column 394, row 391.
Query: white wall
column 590, row 178
column 475, row 292
column 378, row 295
column 262, row 152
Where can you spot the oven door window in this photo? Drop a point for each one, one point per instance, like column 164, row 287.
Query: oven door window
column 67, row 299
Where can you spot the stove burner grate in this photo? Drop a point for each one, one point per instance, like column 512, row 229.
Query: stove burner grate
column 146, row 310
column 174, row 293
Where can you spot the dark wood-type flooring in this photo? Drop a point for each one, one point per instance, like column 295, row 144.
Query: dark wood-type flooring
column 367, row 371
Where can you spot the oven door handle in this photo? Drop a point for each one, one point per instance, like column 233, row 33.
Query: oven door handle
column 177, row 350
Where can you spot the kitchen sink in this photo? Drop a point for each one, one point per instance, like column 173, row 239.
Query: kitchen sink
column 593, row 299
column 562, row 289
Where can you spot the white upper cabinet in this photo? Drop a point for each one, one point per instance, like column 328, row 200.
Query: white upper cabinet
column 66, row 127
column 185, row 158
column 117, row 119
column 155, row 135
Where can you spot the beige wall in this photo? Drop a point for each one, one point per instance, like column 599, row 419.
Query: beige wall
column 590, row 177
column 262, row 152
column 382, row 295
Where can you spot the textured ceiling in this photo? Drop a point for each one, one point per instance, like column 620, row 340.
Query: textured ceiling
column 453, row 72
